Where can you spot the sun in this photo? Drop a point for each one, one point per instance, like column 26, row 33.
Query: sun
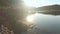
column 28, row 2
column 31, row 3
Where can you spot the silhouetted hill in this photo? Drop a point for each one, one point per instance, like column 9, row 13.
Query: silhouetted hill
column 50, row 9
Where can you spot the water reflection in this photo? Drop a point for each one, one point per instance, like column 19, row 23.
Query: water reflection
column 44, row 24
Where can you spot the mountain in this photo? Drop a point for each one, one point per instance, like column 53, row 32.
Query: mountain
column 50, row 9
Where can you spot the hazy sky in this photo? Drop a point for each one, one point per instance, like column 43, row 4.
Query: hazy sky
column 37, row 3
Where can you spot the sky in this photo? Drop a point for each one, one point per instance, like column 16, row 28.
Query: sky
column 39, row 3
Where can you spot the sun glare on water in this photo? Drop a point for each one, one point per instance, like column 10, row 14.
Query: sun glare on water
column 30, row 18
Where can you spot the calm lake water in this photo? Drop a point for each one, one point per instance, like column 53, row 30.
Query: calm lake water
column 50, row 22
column 43, row 24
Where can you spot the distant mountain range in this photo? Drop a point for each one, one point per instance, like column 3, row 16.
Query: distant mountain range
column 50, row 9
